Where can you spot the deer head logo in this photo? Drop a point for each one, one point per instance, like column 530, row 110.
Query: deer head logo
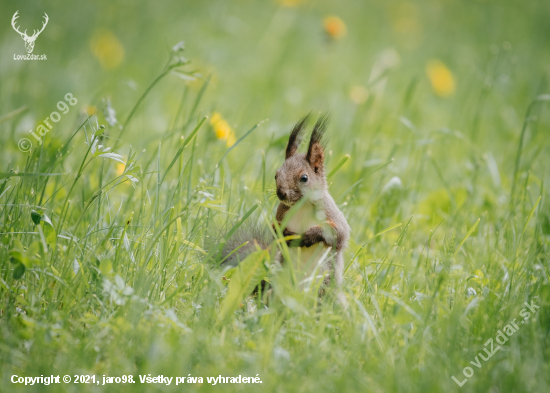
column 29, row 41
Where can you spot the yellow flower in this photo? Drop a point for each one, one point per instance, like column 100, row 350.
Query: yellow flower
column 334, row 27
column 441, row 78
column 290, row 3
column 216, row 117
column 359, row 95
column 222, row 129
column 107, row 48
column 120, row 168
column 90, row 110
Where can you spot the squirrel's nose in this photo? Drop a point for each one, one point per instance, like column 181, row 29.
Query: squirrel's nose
column 281, row 194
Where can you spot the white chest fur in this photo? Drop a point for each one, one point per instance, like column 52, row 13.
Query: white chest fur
column 305, row 218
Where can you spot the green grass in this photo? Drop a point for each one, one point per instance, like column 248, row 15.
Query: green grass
column 106, row 269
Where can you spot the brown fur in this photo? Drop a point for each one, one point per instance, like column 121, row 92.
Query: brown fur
column 335, row 231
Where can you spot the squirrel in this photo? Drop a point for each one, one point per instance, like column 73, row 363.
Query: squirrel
column 318, row 221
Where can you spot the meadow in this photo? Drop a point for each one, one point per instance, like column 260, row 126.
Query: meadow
column 177, row 119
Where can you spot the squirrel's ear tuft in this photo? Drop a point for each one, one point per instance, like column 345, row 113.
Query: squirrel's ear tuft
column 316, row 150
column 296, row 136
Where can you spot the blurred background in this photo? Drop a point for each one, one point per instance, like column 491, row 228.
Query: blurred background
column 443, row 60
column 449, row 80
column 388, row 70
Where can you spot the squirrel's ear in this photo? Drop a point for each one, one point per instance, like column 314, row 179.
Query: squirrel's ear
column 316, row 151
column 296, row 136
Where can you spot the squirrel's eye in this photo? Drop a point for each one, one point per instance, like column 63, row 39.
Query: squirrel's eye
column 303, row 178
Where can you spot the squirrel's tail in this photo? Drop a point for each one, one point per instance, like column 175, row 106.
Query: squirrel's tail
column 243, row 242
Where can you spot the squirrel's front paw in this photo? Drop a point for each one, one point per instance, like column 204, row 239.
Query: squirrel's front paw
column 312, row 236
column 287, row 232
column 291, row 242
column 308, row 240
